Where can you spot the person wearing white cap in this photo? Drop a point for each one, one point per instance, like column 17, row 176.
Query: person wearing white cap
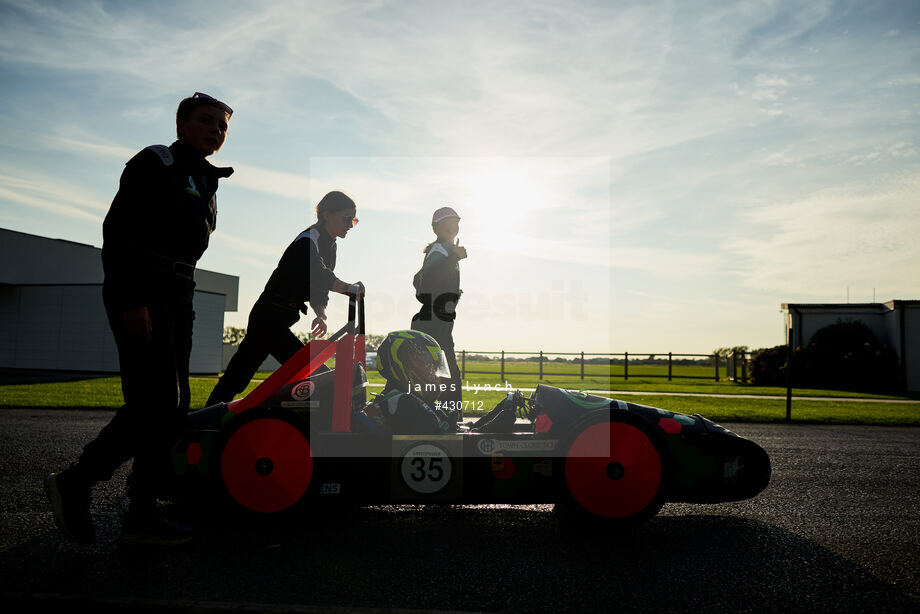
column 437, row 288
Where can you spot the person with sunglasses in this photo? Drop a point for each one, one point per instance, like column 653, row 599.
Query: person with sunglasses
column 304, row 273
column 156, row 229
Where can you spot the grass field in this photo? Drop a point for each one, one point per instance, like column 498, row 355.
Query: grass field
column 485, row 390
column 573, row 369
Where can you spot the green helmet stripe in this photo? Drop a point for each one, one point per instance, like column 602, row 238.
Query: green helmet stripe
column 396, row 362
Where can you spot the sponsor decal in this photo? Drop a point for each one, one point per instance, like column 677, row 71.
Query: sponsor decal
column 488, row 446
column 544, row 468
column 544, row 423
column 731, row 469
column 503, row 468
column 581, row 398
column 193, row 454
column 426, row 468
column 333, row 488
column 670, row 426
column 302, row 391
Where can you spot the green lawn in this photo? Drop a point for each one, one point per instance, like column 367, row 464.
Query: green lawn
column 105, row 392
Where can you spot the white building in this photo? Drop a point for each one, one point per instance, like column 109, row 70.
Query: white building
column 52, row 316
column 895, row 323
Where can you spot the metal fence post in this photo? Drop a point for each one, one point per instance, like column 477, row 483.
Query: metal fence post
column 626, row 367
column 716, row 355
column 503, row 366
column 744, row 368
column 463, row 369
column 541, row 364
column 669, row 366
column 582, row 365
column 789, row 377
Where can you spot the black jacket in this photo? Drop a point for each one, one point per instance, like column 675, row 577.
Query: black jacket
column 437, row 284
column 304, row 272
column 160, row 221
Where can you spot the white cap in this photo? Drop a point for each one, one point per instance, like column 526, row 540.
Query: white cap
column 442, row 214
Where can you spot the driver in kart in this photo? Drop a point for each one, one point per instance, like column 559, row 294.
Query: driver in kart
column 414, row 366
column 416, row 372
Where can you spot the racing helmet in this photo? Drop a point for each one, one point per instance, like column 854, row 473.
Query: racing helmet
column 413, row 361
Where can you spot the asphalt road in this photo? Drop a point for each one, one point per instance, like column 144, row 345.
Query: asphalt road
column 838, row 530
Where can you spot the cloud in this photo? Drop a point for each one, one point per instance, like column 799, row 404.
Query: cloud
column 863, row 233
column 662, row 131
column 56, row 190
column 83, row 147
column 287, row 185
column 589, row 79
column 663, row 262
column 50, row 206
column 770, row 26
column 247, row 246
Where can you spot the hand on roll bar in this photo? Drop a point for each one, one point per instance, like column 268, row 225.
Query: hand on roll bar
column 319, row 326
column 357, row 289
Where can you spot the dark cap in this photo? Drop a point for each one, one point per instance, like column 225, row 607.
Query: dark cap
column 334, row 201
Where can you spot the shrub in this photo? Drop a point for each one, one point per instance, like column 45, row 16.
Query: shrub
column 768, row 366
column 846, row 356
column 842, row 356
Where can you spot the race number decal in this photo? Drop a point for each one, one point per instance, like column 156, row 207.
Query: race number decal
column 426, row 468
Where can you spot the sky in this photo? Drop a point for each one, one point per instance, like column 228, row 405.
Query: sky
column 637, row 177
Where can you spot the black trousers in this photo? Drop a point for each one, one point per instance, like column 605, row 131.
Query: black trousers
column 442, row 332
column 268, row 332
column 155, row 386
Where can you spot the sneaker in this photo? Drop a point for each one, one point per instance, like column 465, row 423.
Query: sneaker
column 153, row 531
column 70, row 502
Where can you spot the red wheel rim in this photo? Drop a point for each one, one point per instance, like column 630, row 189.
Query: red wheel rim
column 266, row 465
column 613, row 470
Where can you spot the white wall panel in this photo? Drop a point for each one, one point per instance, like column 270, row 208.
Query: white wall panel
column 207, row 338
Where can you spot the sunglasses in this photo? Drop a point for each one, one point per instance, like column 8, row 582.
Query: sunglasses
column 350, row 220
column 214, row 101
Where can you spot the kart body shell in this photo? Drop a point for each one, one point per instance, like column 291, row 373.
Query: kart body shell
column 300, row 439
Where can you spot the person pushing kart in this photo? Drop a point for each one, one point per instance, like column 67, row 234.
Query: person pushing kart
column 304, row 273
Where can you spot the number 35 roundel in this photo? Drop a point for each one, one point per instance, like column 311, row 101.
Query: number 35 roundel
column 426, row 468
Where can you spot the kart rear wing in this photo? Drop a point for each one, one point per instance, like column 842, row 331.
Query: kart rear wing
column 346, row 344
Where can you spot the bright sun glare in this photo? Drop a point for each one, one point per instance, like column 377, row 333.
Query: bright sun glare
column 502, row 197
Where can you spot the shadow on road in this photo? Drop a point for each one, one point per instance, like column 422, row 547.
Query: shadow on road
column 479, row 558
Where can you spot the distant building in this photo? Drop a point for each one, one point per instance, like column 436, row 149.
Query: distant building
column 895, row 323
column 52, row 316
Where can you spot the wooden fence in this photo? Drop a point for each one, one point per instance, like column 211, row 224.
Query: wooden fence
column 736, row 365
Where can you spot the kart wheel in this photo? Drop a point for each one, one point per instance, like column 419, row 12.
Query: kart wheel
column 265, row 464
column 614, row 470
